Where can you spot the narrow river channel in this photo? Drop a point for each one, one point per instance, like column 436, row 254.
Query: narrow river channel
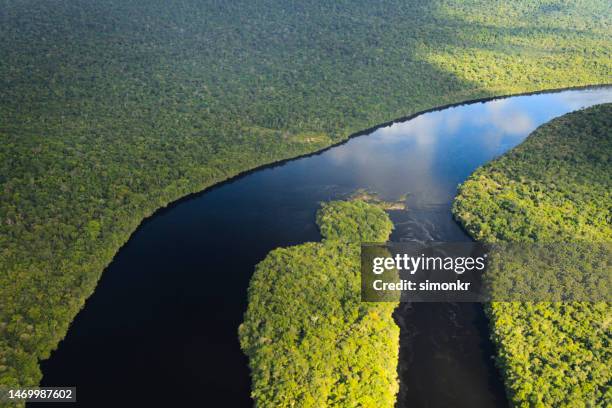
column 161, row 327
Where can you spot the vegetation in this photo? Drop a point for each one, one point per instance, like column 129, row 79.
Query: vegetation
column 549, row 271
column 111, row 109
column 555, row 187
column 310, row 340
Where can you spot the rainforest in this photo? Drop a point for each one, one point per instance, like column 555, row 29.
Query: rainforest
column 555, row 187
column 112, row 110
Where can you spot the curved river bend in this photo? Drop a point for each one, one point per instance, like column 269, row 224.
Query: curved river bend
column 161, row 327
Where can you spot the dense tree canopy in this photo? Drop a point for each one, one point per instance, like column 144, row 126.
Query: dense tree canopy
column 310, row 340
column 110, row 109
column 555, row 187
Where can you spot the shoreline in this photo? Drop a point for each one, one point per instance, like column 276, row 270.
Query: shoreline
column 245, row 270
column 218, row 184
column 360, row 133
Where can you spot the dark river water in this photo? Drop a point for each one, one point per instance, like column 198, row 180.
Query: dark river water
column 161, row 327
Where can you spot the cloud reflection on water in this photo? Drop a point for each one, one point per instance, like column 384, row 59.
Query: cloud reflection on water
column 429, row 155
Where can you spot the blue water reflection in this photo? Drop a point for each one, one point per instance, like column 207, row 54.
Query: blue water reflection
column 164, row 316
column 429, row 155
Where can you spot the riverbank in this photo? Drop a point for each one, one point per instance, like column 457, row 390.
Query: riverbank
column 554, row 187
column 154, row 295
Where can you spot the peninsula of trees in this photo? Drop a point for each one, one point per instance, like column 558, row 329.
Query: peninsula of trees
column 310, row 340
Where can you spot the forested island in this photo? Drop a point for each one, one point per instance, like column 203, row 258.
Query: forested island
column 310, row 340
column 555, row 187
column 110, row 110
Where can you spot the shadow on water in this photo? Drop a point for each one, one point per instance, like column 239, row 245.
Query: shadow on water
column 161, row 327
column 446, row 357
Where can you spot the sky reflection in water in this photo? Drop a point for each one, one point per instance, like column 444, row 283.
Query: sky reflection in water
column 428, row 156
column 158, row 308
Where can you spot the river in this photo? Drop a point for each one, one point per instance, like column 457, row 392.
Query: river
column 161, row 327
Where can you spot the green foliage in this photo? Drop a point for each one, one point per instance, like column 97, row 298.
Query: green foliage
column 555, row 187
column 559, row 272
column 111, row 109
column 353, row 221
column 310, row 340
